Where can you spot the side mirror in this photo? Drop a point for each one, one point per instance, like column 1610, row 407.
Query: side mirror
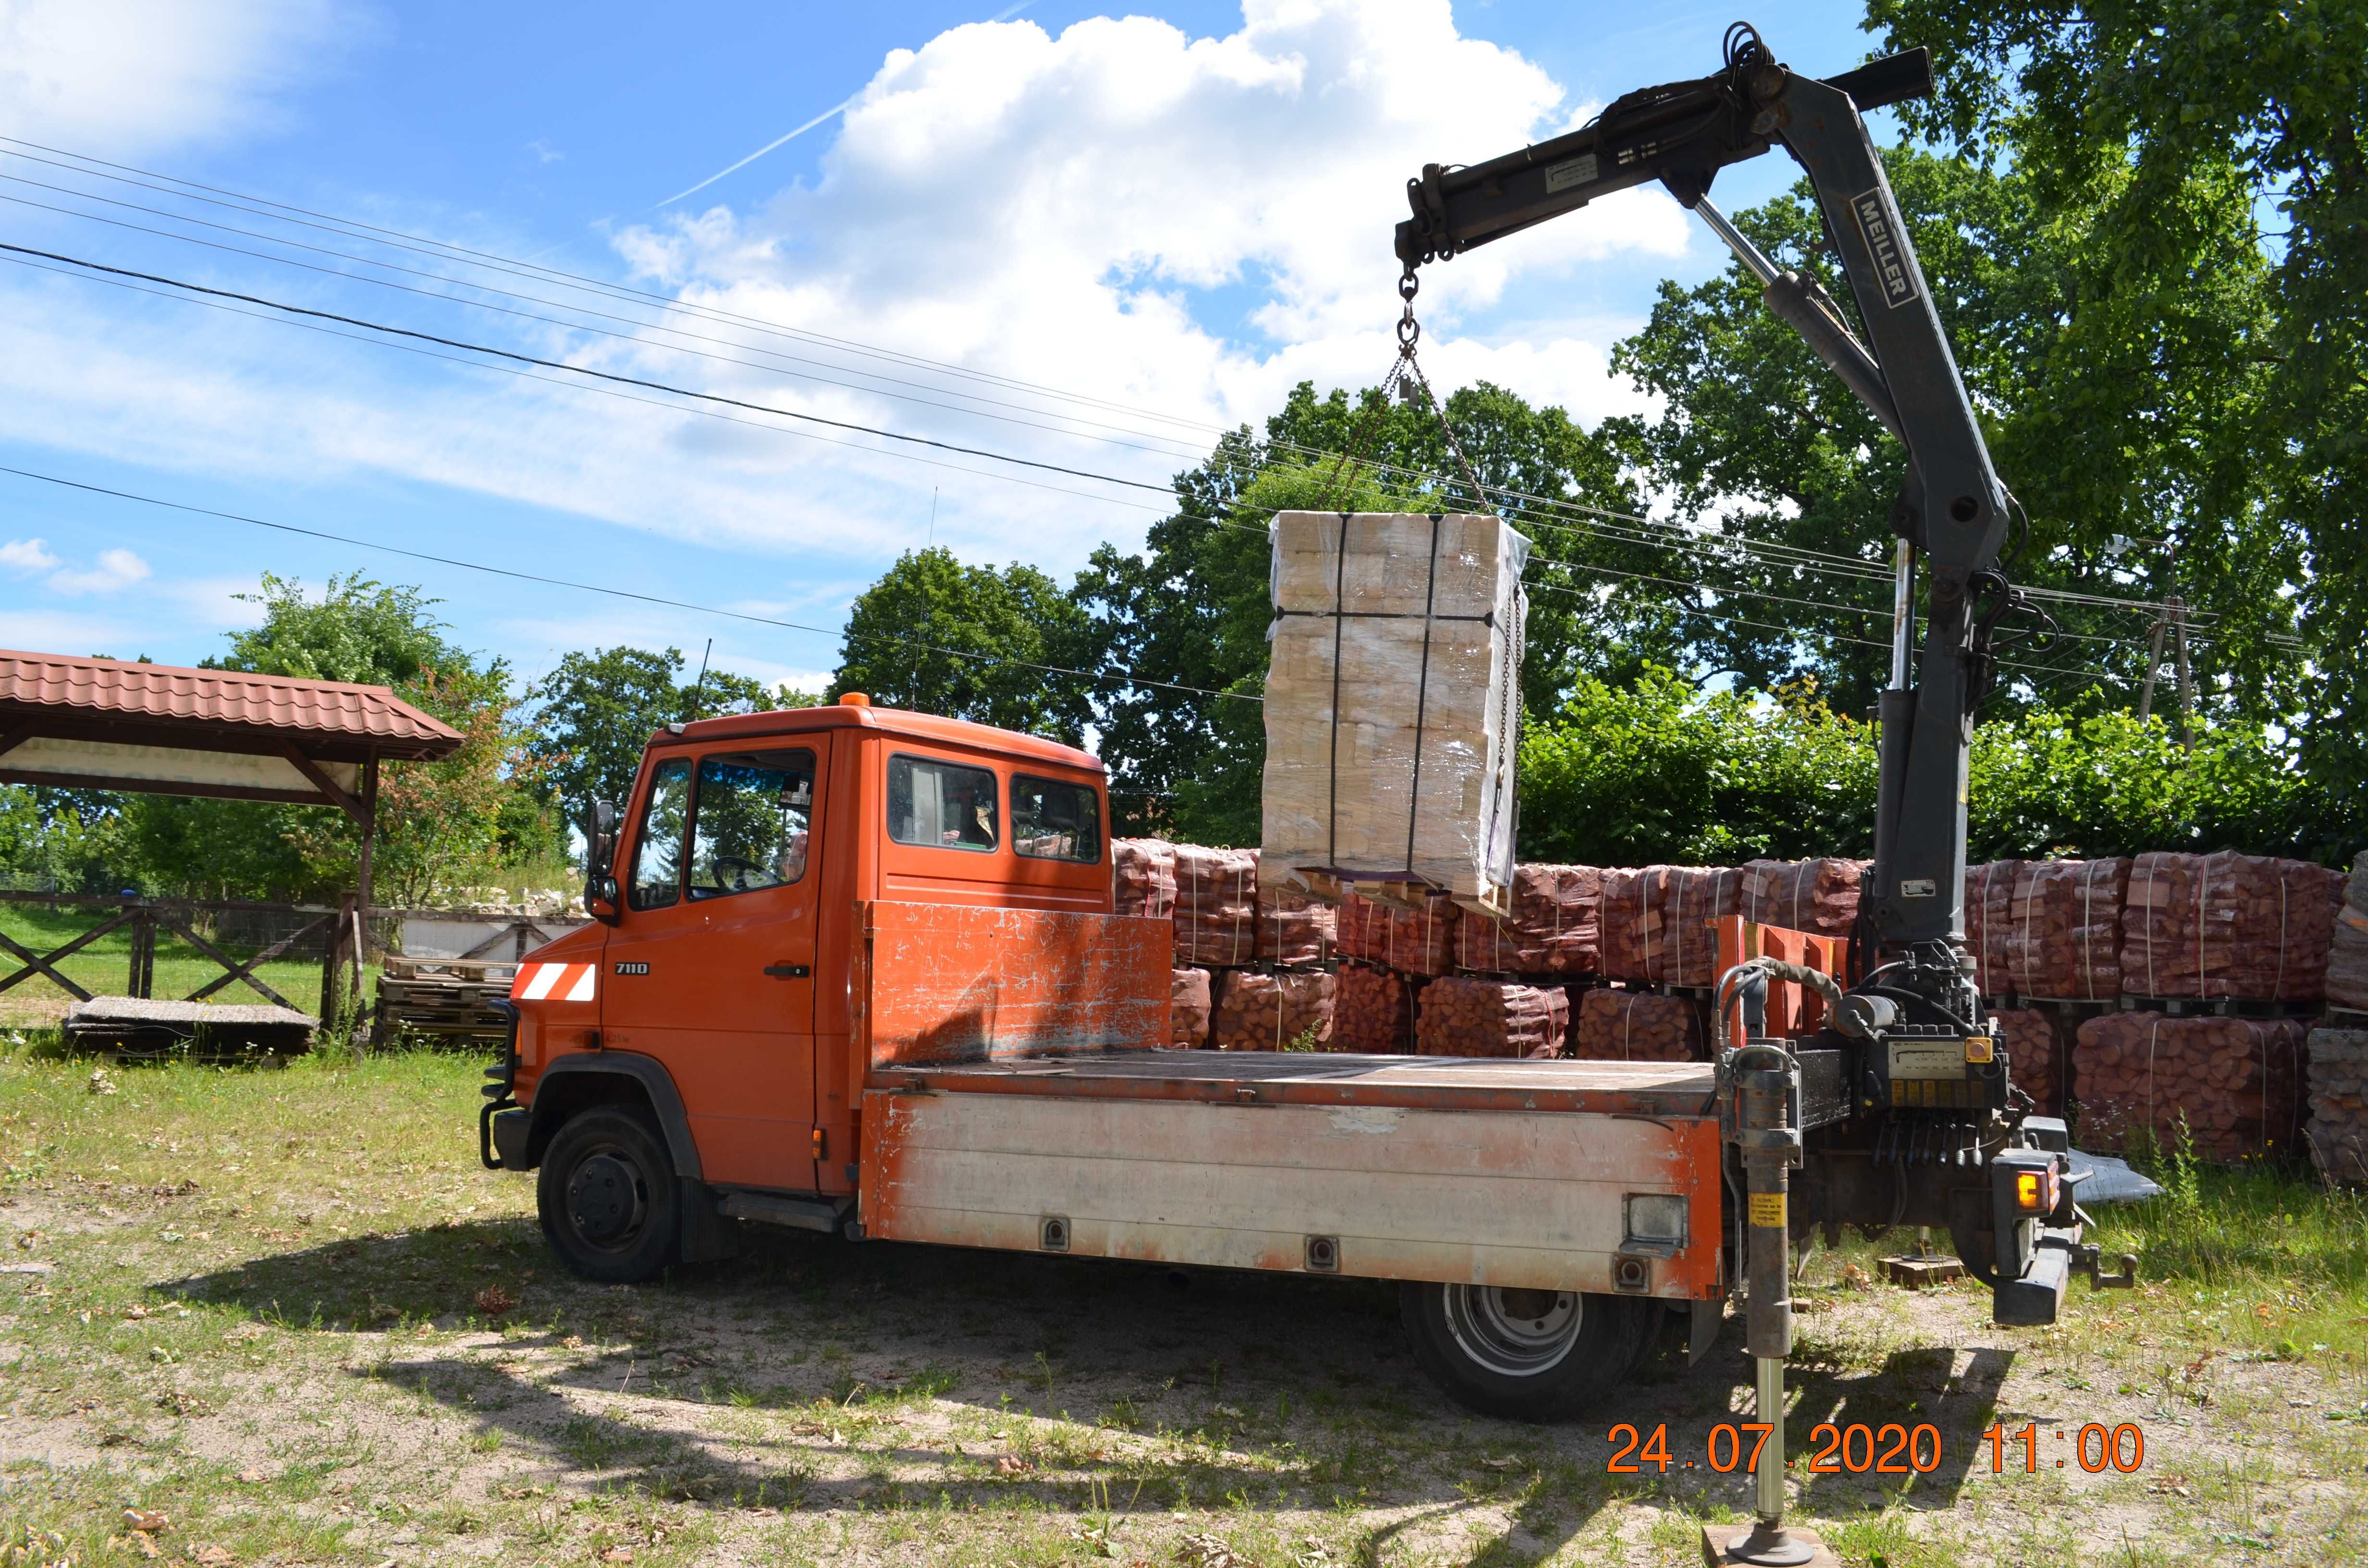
column 600, row 900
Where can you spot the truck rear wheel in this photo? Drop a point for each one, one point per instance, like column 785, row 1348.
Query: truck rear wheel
column 1524, row 1355
column 605, row 1193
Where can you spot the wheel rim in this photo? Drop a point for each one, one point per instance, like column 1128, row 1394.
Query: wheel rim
column 607, row 1199
column 1516, row 1333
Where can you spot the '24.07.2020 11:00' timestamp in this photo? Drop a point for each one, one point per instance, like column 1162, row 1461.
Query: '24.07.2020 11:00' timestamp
column 1890, row 1448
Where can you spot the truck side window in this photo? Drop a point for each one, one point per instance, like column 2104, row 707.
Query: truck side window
column 1055, row 821
column 748, row 829
column 940, row 803
column 657, row 848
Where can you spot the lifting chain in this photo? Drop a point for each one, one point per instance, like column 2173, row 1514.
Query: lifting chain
column 1404, row 377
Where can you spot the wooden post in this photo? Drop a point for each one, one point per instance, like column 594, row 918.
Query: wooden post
column 362, row 883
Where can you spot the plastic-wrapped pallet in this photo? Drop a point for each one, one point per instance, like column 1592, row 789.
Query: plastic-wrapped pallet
column 1657, row 919
column 1216, row 907
column 2234, row 1084
column 1273, row 1012
column 1637, row 1026
column 1989, row 915
column 1143, row 877
column 1372, row 1010
column 1555, row 926
column 1817, row 896
column 1294, row 927
column 2339, row 1106
column 1412, row 624
column 1466, row 1016
column 2035, row 1055
column 2063, row 931
column 1188, row 1009
column 2228, row 925
column 1412, row 941
column 2347, row 952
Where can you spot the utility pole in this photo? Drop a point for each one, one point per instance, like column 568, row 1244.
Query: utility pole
column 2171, row 622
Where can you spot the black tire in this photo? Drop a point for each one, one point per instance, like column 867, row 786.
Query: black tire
column 1525, row 1355
column 607, row 1197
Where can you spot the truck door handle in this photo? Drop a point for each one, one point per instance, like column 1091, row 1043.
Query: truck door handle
column 788, row 970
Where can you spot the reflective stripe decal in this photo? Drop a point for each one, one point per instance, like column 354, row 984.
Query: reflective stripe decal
column 560, row 982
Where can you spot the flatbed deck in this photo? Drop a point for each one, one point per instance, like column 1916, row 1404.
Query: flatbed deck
column 1315, row 1078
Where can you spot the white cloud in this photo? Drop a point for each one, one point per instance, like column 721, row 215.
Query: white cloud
column 27, row 555
column 115, row 569
column 126, row 76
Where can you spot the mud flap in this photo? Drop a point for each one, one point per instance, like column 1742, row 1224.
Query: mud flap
column 705, row 1237
column 1702, row 1330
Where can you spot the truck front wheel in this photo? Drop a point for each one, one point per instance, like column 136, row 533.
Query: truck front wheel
column 605, row 1193
column 1520, row 1354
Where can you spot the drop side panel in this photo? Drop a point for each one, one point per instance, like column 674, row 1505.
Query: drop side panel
column 1493, row 1197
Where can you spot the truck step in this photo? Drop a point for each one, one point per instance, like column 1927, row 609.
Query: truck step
column 772, row 1209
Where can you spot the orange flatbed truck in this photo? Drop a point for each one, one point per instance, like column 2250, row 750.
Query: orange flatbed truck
column 858, row 971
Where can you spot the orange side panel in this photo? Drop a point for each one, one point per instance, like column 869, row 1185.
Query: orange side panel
column 958, row 983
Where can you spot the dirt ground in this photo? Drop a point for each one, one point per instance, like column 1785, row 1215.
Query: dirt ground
column 306, row 1339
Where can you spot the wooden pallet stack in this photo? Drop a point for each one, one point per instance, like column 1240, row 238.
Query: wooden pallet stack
column 450, row 998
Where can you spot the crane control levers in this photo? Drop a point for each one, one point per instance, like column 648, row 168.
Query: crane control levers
column 1900, row 1111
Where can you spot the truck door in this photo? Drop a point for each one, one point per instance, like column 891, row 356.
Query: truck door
column 710, row 966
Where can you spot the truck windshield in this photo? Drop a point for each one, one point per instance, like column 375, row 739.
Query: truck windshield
column 657, row 848
column 1055, row 821
column 748, row 829
column 942, row 803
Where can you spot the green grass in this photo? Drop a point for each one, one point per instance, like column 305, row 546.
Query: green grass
column 262, row 1320
column 104, row 967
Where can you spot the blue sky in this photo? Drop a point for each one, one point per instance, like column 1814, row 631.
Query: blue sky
column 1090, row 238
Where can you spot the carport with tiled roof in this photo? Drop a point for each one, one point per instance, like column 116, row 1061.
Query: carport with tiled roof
column 108, row 724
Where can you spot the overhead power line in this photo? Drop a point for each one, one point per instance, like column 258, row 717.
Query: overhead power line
column 1125, row 677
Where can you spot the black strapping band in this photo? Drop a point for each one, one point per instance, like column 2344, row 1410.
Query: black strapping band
column 1422, row 690
column 1339, row 618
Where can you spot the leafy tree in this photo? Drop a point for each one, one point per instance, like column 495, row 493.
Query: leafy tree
column 2136, row 113
column 970, row 643
column 596, row 712
column 2101, row 393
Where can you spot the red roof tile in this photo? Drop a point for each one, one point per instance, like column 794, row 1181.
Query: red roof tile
column 327, row 718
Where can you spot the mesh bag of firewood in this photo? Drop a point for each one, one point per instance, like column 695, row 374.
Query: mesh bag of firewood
column 2228, row 925
column 1637, row 1026
column 2035, row 1055
column 1412, row 941
column 1273, row 1012
column 2338, row 1105
column 2234, row 1084
column 1657, row 922
column 1817, row 896
column 2063, row 936
column 1989, row 915
column 2347, row 953
column 1292, row 927
column 1462, row 1015
column 1555, row 926
column 1143, row 877
column 1373, row 1011
column 1216, row 907
column 1188, row 1009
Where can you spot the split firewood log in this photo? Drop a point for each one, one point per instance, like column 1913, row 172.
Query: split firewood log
column 2063, row 931
column 1189, row 1009
column 2232, row 1086
column 1292, row 927
column 2035, row 1055
column 1555, row 926
column 2338, row 1132
column 1989, row 913
column 1657, row 922
column 2228, row 925
column 1409, row 940
column 1287, row 1011
column 1216, row 907
column 1143, row 877
column 1638, row 1026
column 1373, row 1010
column 2347, row 951
column 1817, row 896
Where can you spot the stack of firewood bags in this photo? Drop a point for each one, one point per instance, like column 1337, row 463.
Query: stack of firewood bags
column 1188, row 1009
column 1990, row 916
column 1555, row 926
column 1817, row 896
column 1412, row 941
column 1657, row 922
column 2063, row 931
column 1143, row 877
column 2228, row 925
column 1293, row 928
column 1273, row 1012
column 2035, row 1055
column 1638, row 1026
column 1216, row 906
column 2347, row 953
column 2236, row 1083
column 2338, row 1105
column 1373, row 1011
column 1462, row 1015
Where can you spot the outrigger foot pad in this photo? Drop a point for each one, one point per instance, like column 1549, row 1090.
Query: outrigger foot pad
column 1741, row 1546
